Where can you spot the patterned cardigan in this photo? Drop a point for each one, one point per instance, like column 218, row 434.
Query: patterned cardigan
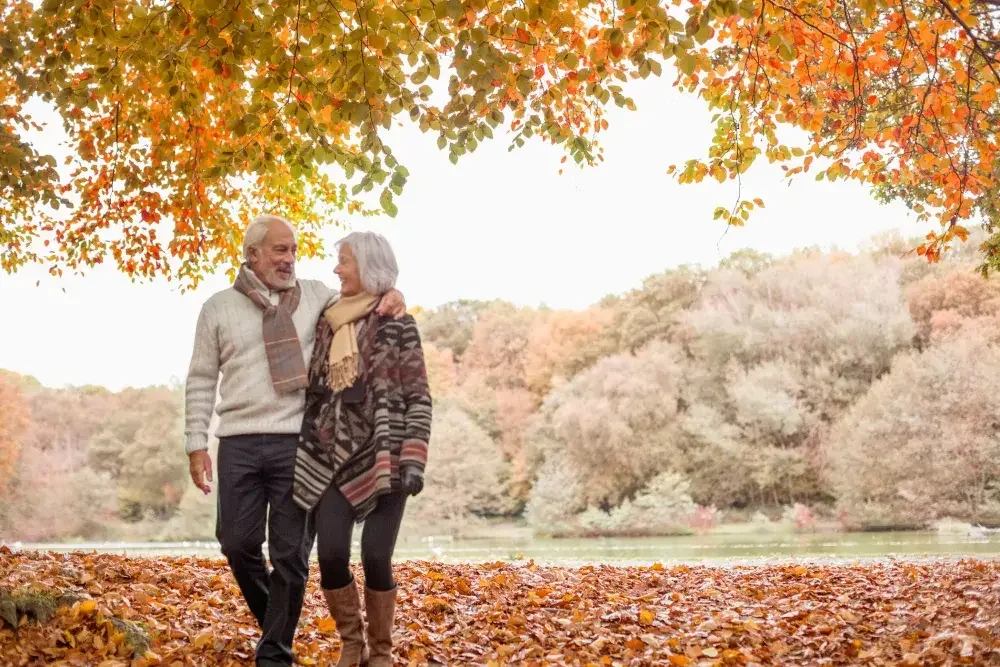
column 359, row 439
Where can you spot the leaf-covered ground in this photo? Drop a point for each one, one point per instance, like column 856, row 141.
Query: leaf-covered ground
column 916, row 613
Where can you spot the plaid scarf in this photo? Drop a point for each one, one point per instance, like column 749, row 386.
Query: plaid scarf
column 281, row 340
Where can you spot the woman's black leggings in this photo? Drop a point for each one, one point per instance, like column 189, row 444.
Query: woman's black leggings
column 334, row 527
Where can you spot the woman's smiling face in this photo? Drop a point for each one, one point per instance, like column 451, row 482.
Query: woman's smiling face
column 348, row 272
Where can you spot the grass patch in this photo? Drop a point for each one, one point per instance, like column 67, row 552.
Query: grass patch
column 26, row 605
column 37, row 605
column 135, row 635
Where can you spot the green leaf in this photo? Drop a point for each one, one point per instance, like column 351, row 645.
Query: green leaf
column 687, row 63
column 704, row 32
column 524, row 85
column 387, row 204
column 787, row 52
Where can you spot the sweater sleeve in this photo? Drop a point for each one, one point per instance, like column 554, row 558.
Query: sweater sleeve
column 326, row 294
column 416, row 395
column 202, row 382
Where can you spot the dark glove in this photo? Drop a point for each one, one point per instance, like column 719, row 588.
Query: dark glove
column 411, row 480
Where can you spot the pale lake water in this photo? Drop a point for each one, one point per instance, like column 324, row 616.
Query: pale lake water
column 746, row 547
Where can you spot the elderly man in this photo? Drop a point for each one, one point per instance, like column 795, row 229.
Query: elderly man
column 257, row 334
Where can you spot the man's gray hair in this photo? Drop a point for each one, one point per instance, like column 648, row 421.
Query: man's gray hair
column 376, row 261
column 257, row 230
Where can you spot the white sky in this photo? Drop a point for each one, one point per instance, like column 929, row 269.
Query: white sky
column 498, row 225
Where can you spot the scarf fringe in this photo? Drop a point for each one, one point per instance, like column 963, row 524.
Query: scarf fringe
column 343, row 373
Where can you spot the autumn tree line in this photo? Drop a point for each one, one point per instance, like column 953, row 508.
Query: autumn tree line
column 863, row 389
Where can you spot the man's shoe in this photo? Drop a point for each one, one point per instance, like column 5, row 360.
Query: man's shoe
column 345, row 608
column 381, row 609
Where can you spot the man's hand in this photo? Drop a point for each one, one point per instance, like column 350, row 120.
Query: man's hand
column 392, row 304
column 411, row 481
column 201, row 470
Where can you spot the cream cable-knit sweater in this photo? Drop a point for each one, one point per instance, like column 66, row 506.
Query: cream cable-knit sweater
column 229, row 340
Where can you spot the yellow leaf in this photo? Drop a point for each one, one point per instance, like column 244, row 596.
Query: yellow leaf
column 436, row 604
column 646, row 617
column 326, row 625
column 202, row 640
column 87, row 606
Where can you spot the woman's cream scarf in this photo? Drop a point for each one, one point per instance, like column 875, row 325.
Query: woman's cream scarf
column 344, row 347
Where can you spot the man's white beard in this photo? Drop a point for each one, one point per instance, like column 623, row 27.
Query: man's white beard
column 284, row 284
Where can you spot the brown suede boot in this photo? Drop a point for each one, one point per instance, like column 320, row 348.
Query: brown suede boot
column 380, row 607
column 345, row 608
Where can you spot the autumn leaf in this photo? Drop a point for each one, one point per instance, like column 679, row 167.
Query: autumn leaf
column 199, row 616
column 213, row 121
column 326, row 625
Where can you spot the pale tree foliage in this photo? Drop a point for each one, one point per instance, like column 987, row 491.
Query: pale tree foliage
column 493, row 381
column 698, row 393
column 563, row 343
column 450, row 326
column 716, row 459
column 14, row 421
column 652, row 311
column 67, row 416
column 504, row 415
column 662, row 507
column 615, row 425
column 153, row 475
column 137, row 448
column 498, row 345
column 924, row 442
column 60, row 497
column 556, row 497
column 942, row 305
column 466, row 475
column 775, row 356
column 442, row 373
column 659, row 507
column 514, row 410
column 747, row 261
column 196, row 513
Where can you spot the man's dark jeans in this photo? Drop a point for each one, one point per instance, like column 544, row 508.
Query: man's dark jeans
column 257, row 471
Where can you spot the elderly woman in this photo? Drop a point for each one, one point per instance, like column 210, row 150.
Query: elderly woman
column 363, row 444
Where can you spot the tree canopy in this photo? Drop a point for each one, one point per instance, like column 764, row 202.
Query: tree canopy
column 187, row 116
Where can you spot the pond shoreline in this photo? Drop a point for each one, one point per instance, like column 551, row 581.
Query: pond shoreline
column 711, row 547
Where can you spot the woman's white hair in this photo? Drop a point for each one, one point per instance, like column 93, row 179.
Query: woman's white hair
column 257, row 230
column 376, row 261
